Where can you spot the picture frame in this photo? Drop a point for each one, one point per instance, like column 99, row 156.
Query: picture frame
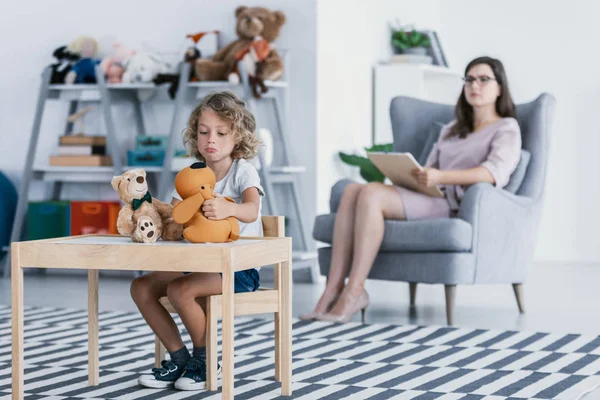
column 435, row 50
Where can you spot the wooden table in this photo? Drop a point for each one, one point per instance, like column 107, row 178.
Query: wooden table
column 114, row 252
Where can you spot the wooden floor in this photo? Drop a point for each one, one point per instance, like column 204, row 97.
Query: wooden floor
column 560, row 298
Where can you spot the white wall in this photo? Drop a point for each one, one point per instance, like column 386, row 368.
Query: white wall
column 546, row 47
column 31, row 30
column 348, row 49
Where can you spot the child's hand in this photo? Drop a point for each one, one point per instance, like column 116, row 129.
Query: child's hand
column 428, row 177
column 217, row 208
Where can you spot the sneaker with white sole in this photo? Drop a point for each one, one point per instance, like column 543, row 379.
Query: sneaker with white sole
column 163, row 377
column 194, row 376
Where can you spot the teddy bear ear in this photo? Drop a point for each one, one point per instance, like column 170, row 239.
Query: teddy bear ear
column 240, row 10
column 279, row 18
column 115, row 182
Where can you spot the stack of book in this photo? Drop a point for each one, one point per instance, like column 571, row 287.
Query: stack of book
column 80, row 150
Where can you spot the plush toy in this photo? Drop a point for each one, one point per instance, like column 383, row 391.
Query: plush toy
column 191, row 55
column 143, row 217
column 84, row 70
column 66, row 60
column 114, row 64
column 252, row 23
column 253, row 58
column 143, row 67
column 195, row 184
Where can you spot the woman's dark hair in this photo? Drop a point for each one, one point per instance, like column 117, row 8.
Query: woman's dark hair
column 464, row 111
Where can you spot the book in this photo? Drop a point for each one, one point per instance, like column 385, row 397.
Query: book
column 80, row 161
column 80, row 150
column 398, row 167
column 81, row 140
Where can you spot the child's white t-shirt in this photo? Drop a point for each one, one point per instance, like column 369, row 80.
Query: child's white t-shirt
column 241, row 176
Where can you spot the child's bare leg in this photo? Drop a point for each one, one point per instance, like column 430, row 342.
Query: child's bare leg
column 183, row 293
column 146, row 292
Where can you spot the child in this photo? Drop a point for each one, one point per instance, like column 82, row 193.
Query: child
column 220, row 132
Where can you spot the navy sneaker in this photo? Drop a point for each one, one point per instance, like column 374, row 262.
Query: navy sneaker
column 194, row 376
column 163, row 377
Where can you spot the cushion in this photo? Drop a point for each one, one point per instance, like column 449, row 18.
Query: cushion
column 426, row 235
column 516, row 178
column 432, row 137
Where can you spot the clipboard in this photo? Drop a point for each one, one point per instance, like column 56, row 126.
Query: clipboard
column 397, row 168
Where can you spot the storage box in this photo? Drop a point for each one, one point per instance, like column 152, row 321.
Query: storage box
column 149, row 142
column 48, row 219
column 145, row 158
column 89, row 217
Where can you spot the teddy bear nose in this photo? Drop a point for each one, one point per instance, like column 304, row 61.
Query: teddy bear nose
column 140, row 179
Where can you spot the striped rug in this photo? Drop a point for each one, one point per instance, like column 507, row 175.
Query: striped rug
column 332, row 361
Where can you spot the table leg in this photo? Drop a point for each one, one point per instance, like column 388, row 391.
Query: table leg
column 277, row 323
column 93, row 357
column 285, row 324
column 18, row 357
column 227, row 328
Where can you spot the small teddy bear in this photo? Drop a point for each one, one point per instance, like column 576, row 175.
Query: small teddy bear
column 195, row 184
column 143, row 218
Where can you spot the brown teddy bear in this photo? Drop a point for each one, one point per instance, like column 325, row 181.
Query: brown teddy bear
column 255, row 27
column 143, row 217
column 195, row 184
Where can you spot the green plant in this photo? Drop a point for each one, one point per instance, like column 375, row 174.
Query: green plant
column 403, row 40
column 368, row 171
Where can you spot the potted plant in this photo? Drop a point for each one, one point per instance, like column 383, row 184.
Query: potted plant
column 410, row 41
column 368, row 171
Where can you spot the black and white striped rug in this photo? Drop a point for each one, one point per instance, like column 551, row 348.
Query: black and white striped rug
column 332, row 361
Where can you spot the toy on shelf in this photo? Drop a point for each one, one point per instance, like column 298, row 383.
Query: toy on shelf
column 253, row 25
column 83, row 71
column 66, row 60
column 77, row 118
column 196, row 184
column 143, row 67
column 192, row 53
column 114, row 65
column 143, row 218
column 253, row 58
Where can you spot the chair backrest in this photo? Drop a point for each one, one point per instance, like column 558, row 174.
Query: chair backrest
column 273, row 226
column 412, row 118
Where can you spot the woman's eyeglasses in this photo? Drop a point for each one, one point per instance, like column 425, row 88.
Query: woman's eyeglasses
column 483, row 80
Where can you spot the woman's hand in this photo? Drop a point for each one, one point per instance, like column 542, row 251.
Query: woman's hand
column 428, row 177
column 217, row 208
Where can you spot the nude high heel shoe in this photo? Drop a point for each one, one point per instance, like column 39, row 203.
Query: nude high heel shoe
column 358, row 303
column 315, row 315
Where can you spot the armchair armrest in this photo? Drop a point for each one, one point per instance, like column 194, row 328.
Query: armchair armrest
column 336, row 193
column 504, row 232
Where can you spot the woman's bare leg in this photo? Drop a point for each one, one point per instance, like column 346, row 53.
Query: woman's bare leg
column 341, row 248
column 183, row 293
column 146, row 292
column 376, row 202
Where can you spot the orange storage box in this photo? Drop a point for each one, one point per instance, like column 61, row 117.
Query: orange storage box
column 98, row 217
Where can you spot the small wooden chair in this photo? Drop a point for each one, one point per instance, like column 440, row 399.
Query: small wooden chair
column 262, row 301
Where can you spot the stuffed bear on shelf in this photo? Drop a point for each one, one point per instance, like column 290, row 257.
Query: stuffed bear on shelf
column 143, row 218
column 257, row 28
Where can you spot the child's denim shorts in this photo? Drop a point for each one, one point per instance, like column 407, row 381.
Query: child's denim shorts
column 244, row 281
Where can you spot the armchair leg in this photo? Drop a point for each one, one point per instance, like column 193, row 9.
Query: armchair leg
column 518, row 288
column 450, row 301
column 413, row 292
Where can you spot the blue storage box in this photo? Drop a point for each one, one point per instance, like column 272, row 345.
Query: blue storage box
column 145, row 158
column 149, row 142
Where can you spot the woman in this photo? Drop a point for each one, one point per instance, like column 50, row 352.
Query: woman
column 482, row 144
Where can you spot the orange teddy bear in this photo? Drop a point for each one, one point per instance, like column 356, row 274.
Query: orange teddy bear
column 195, row 184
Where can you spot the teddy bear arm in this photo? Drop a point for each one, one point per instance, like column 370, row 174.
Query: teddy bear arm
column 125, row 225
column 273, row 67
column 224, row 52
column 164, row 209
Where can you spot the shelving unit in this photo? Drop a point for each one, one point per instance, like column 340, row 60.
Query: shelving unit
column 284, row 174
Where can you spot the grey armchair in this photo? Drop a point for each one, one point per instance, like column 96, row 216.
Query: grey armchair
column 492, row 239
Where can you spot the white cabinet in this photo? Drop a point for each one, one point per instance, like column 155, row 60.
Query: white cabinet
column 422, row 81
